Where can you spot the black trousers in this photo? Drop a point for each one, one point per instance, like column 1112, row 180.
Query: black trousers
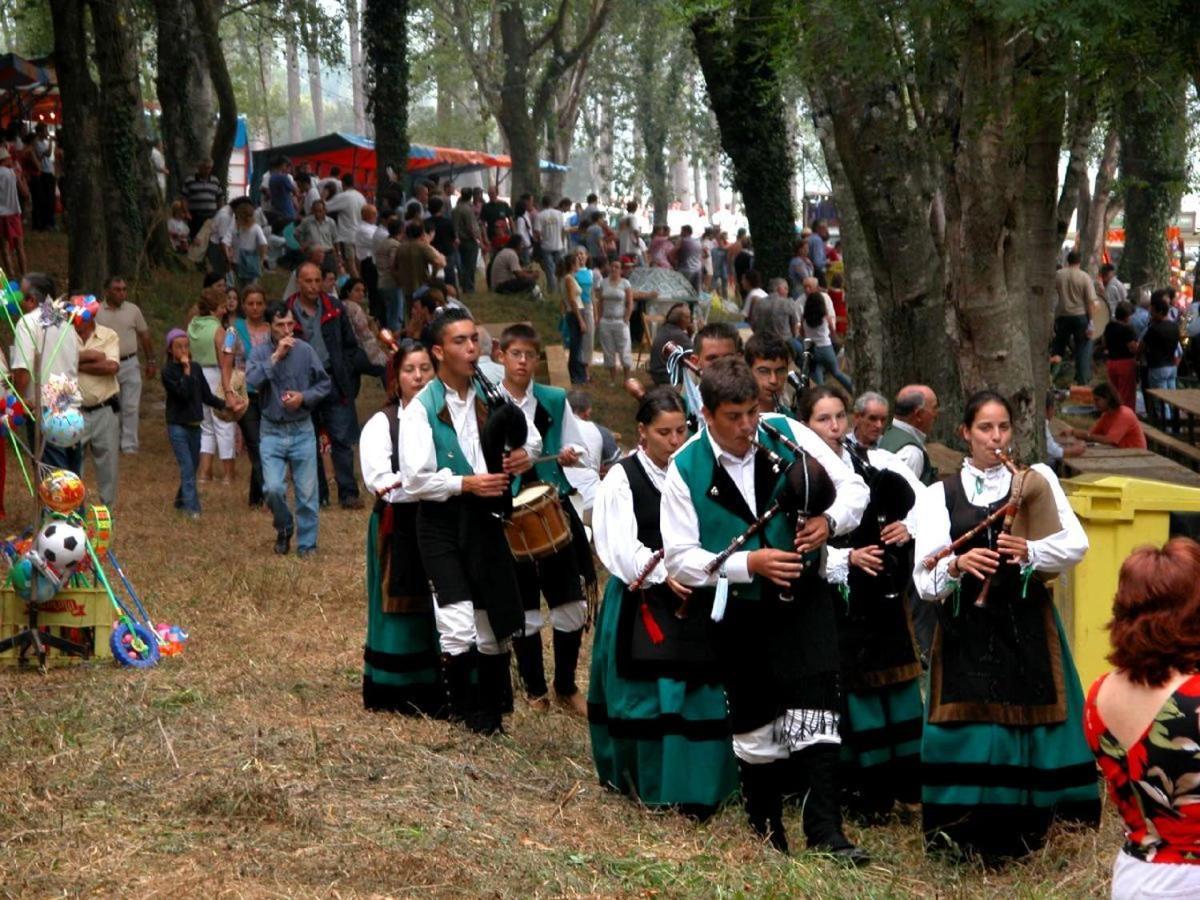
column 251, row 425
column 43, row 201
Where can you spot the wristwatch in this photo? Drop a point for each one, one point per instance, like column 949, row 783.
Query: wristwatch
column 832, row 524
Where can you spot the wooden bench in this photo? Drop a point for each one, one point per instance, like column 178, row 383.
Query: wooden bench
column 556, row 366
column 1172, row 446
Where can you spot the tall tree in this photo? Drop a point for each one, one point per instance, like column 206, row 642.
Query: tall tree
column 226, row 131
column 519, row 78
column 356, row 79
column 308, row 33
column 656, row 88
column 291, row 54
column 734, row 48
column 184, row 90
column 385, row 29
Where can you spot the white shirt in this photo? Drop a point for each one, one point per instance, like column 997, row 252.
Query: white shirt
column 911, row 456
column 686, row 559
column 418, row 459
column 56, row 344
column 348, row 205
column 310, row 197
column 43, row 153
column 1055, row 553
column 249, row 239
column 364, row 241
column 223, row 225
column 160, row 168
column 614, row 524
column 1054, row 450
column 550, row 225
column 754, row 295
column 837, row 559
column 585, row 477
column 525, row 229
column 820, row 335
column 375, row 456
column 10, row 202
column 571, row 436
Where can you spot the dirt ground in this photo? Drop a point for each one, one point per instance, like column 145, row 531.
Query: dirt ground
column 247, row 767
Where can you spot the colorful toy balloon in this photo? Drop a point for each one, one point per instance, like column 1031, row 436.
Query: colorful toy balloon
column 62, row 491
column 84, row 307
column 63, row 429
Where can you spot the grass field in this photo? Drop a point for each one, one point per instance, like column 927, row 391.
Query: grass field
column 247, row 767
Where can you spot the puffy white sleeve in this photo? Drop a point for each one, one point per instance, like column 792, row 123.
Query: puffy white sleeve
column 572, row 435
column 837, row 565
column 932, row 535
column 418, row 459
column 897, row 465
column 852, row 492
column 1065, row 547
column 685, row 557
column 614, row 528
column 375, row 454
column 910, row 455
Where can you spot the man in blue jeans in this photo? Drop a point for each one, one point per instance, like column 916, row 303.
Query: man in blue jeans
column 291, row 382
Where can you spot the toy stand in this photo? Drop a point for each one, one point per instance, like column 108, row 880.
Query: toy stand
column 39, row 641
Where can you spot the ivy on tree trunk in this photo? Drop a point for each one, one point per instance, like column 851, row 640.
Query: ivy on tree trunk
column 385, row 35
column 745, row 94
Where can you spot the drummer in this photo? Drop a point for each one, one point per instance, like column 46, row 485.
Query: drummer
column 401, row 671
column 769, row 358
column 564, row 576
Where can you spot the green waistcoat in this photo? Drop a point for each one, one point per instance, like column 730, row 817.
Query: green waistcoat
column 719, row 525
column 445, row 441
column 554, row 401
column 895, row 438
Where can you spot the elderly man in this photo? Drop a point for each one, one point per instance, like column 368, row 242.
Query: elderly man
column 98, row 365
column 1073, row 316
column 126, row 319
column 776, row 314
column 1114, row 291
column 916, row 411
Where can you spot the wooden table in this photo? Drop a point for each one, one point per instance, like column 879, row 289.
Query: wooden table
column 1132, row 462
column 1186, row 400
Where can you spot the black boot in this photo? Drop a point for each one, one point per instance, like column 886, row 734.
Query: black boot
column 763, row 794
column 822, row 805
column 566, row 660
column 458, row 672
column 530, row 665
column 495, row 682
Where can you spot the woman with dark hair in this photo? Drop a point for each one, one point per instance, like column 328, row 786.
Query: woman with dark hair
column 656, row 714
column 1142, row 721
column 353, row 294
column 248, row 330
column 819, row 322
column 872, row 569
column 1118, row 425
column 400, row 660
column 1003, row 752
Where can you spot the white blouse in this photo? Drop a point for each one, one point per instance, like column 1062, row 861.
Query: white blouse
column 614, row 524
column 375, row 457
column 1055, row 553
column 837, row 560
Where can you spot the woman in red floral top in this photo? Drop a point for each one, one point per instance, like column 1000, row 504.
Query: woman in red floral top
column 1143, row 721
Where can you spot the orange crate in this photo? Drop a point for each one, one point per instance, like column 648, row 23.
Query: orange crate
column 71, row 608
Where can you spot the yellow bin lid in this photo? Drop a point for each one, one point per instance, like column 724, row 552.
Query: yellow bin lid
column 1119, row 497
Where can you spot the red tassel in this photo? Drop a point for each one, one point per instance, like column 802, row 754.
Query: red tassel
column 386, row 521
column 652, row 629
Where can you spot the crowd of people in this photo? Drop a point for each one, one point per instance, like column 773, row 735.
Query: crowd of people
column 798, row 607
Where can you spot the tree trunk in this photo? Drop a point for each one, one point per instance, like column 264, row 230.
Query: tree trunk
column 292, row 56
column 122, row 138
column 226, row 131
column 1008, row 127
column 744, row 92
column 1153, row 155
column 712, row 172
column 184, row 91
column 604, row 159
column 386, row 33
column 1092, row 236
column 1081, row 123
column 83, row 165
column 356, row 68
column 314, row 74
column 681, row 189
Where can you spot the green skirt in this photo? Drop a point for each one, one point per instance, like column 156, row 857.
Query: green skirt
column 881, row 744
column 663, row 741
column 401, row 662
column 994, row 790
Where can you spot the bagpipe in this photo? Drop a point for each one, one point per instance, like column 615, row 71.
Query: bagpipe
column 678, row 360
column 505, row 430
column 807, row 491
column 892, row 498
column 1030, row 512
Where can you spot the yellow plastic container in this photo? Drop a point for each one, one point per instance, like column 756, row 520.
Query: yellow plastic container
column 1118, row 515
column 81, row 614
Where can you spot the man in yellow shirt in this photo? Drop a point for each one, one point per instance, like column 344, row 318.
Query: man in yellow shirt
column 99, row 360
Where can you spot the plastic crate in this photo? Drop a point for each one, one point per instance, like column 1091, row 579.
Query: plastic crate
column 71, row 608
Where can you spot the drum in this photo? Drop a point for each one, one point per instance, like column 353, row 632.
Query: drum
column 98, row 522
column 538, row 527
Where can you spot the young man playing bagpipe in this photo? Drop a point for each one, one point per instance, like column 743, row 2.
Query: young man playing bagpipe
column 777, row 635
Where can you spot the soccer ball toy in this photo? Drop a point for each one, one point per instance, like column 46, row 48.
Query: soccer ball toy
column 62, row 545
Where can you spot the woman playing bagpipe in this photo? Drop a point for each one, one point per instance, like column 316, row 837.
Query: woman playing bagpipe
column 1003, row 751
column 401, row 659
column 656, row 709
column 872, row 570
column 747, row 507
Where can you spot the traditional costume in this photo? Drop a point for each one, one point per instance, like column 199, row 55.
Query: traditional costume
column 881, row 725
column 401, row 668
column 778, row 655
column 552, row 426
column 461, row 538
column 656, row 708
column 1003, row 751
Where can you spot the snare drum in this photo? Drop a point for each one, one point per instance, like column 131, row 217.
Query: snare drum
column 538, row 527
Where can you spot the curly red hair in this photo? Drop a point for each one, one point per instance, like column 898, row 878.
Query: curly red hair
column 1155, row 628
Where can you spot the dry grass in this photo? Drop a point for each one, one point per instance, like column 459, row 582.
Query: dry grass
column 246, row 766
